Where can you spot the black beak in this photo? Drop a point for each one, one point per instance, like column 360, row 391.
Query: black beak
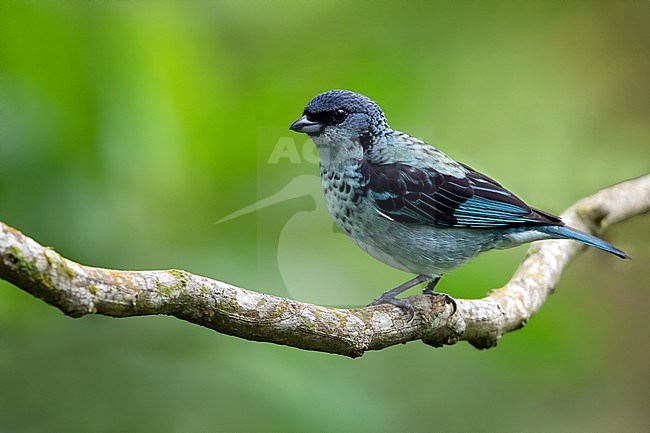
column 307, row 126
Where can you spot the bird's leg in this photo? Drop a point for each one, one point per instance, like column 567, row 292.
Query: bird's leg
column 431, row 290
column 389, row 297
column 431, row 287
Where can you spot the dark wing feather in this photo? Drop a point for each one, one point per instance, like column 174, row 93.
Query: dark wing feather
column 425, row 196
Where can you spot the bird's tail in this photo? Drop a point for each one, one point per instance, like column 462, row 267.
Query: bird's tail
column 566, row 232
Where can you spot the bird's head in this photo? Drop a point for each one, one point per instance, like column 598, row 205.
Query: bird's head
column 342, row 124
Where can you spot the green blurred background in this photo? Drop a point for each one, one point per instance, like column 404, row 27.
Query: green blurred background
column 127, row 129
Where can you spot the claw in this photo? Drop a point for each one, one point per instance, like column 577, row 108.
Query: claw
column 431, row 290
column 448, row 299
column 389, row 297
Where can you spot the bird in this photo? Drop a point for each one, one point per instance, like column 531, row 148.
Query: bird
column 408, row 204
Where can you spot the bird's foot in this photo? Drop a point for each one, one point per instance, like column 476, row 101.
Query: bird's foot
column 400, row 303
column 430, row 290
column 390, row 297
column 448, row 299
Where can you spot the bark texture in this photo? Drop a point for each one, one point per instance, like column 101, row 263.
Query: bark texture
column 77, row 290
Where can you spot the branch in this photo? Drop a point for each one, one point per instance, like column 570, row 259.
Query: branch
column 78, row 290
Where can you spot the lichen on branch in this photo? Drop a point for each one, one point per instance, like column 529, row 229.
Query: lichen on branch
column 78, row 290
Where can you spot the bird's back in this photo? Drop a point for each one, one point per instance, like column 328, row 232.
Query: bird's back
column 413, row 182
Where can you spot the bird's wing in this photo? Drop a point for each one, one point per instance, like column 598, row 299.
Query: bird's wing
column 410, row 194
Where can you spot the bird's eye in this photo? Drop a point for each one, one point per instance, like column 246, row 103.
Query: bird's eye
column 339, row 116
column 328, row 117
